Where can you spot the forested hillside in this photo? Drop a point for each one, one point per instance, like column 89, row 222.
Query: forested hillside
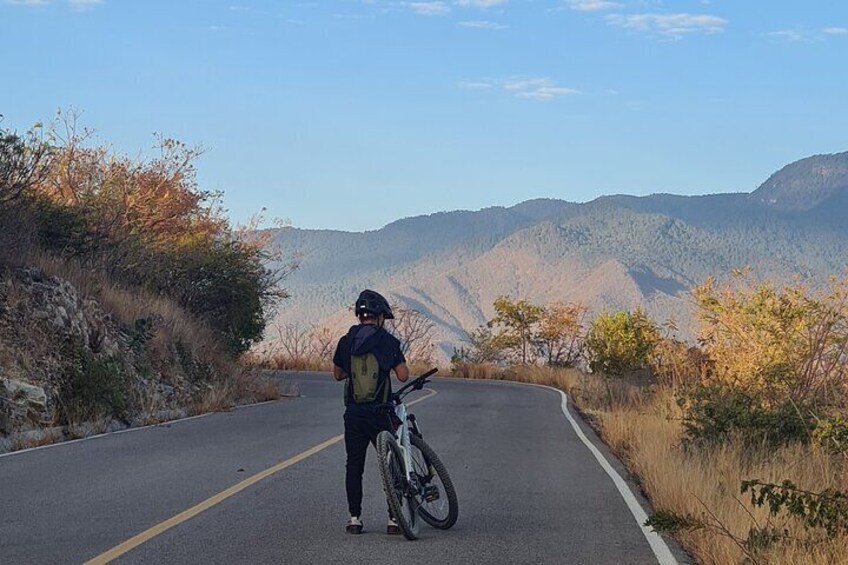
column 614, row 252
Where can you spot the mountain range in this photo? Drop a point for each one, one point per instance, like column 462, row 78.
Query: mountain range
column 615, row 252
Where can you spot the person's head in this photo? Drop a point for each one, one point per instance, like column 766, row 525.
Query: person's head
column 372, row 308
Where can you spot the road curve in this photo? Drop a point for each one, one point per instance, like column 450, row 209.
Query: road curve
column 529, row 489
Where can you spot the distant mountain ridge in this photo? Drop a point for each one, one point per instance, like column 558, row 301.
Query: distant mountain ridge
column 806, row 184
column 613, row 252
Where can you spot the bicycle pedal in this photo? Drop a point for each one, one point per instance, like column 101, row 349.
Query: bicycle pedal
column 431, row 493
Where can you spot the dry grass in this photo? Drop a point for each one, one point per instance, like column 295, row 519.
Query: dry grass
column 37, row 440
column 642, row 426
column 230, row 383
column 245, row 386
column 280, row 362
column 171, row 322
column 705, row 483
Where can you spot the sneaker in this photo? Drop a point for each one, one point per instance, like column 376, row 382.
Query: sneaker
column 354, row 525
column 392, row 528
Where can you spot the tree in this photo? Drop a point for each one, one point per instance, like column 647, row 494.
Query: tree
column 415, row 332
column 483, row 347
column 293, row 343
column 620, row 343
column 516, row 322
column 323, row 342
column 24, row 161
column 148, row 223
column 560, row 334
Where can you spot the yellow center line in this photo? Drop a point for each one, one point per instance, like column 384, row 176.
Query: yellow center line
column 190, row 513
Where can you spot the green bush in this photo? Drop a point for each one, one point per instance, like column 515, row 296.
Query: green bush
column 832, row 434
column 715, row 413
column 827, row 509
column 620, row 343
column 225, row 283
column 91, row 387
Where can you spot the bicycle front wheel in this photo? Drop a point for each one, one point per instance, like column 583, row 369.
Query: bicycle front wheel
column 439, row 505
column 400, row 495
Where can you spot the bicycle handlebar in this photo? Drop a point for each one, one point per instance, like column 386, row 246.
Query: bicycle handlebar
column 417, row 384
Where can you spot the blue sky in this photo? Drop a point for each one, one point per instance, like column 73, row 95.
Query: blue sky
column 349, row 114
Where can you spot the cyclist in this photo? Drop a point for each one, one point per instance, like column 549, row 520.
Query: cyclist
column 364, row 357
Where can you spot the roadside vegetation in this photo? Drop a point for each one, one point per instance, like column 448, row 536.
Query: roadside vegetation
column 292, row 347
column 740, row 442
column 126, row 295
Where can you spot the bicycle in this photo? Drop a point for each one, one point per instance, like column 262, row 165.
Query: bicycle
column 416, row 481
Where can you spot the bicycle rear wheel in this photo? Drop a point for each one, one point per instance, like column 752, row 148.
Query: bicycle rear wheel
column 400, row 495
column 439, row 504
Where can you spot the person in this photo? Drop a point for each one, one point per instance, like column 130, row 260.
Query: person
column 364, row 359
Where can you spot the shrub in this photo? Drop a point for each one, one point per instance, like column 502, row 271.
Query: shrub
column 484, row 346
column 832, row 434
column 777, row 344
column 91, row 387
column 620, row 343
column 827, row 509
column 675, row 363
column 717, row 413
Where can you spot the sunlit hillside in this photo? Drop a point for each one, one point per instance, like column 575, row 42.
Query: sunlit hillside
column 613, row 252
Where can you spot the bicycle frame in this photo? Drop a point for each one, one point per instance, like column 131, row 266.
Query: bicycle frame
column 416, row 491
column 402, row 436
column 403, row 431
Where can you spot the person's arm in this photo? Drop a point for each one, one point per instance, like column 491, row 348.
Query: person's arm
column 402, row 372
column 338, row 359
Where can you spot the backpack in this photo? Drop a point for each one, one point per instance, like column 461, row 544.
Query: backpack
column 364, row 377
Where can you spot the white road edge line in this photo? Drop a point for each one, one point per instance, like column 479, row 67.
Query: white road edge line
column 658, row 545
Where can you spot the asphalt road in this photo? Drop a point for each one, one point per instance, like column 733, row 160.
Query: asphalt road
column 529, row 490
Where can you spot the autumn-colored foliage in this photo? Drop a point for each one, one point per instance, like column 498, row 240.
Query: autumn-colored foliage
column 143, row 222
column 523, row 332
column 560, row 335
column 777, row 343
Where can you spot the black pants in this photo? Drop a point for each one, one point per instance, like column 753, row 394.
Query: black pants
column 362, row 424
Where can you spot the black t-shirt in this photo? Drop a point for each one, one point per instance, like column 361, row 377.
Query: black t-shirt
column 367, row 338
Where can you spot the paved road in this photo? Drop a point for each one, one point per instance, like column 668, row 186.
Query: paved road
column 530, row 491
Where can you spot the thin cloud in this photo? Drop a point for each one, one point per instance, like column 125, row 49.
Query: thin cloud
column 482, row 24
column 26, row 2
column 537, row 89
column 80, row 5
column 474, row 85
column 76, row 5
column 592, row 5
column 480, row 3
column 547, row 93
column 340, row 16
column 836, row 30
column 790, row 35
column 428, row 8
column 674, row 26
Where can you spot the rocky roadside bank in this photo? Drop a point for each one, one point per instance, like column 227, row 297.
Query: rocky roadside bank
column 69, row 368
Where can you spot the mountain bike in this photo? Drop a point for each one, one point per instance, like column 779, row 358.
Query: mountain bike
column 416, row 481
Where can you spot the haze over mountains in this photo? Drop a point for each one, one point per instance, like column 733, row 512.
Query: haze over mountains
column 613, row 252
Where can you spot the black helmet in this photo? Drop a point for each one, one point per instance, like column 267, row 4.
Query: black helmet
column 372, row 303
